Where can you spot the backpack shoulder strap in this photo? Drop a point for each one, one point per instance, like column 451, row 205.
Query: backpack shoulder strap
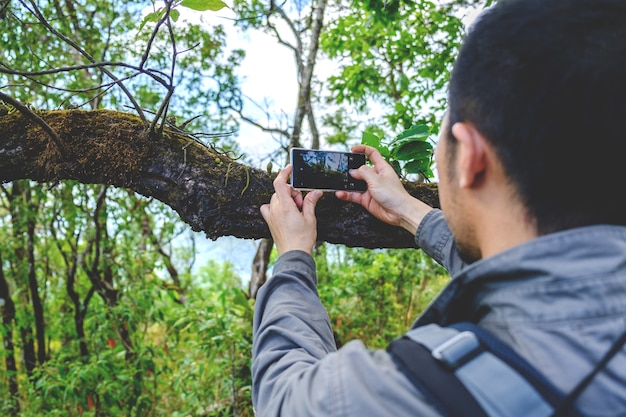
column 494, row 379
column 506, row 354
column 429, row 376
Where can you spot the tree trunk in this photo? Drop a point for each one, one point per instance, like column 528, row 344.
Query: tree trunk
column 305, row 77
column 72, row 260
column 79, row 308
column 259, row 266
column 208, row 190
column 8, row 316
column 40, row 324
column 19, row 214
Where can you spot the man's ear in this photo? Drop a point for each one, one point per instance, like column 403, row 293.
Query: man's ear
column 471, row 157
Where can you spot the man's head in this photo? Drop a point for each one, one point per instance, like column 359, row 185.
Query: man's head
column 545, row 82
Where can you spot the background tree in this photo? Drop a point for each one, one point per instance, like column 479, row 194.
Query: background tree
column 299, row 31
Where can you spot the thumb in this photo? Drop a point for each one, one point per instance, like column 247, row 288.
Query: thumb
column 265, row 212
column 310, row 201
column 365, row 173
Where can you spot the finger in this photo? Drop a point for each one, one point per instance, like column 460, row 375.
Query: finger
column 283, row 174
column 365, row 173
column 352, row 197
column 297, row 198
column 282, row 188
column 310, row 201
column 265, row 212
column 372, row 153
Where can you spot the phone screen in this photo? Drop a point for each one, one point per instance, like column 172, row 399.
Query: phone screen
column 325, row 170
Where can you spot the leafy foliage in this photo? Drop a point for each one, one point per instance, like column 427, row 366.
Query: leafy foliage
column 393, row 54
column 188, row 359
column 374, row 296
column 409, row 152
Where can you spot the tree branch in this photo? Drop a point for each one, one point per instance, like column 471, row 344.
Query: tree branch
column 297, row 50
column 210, row 191
column 162, row 112
column 4, row 69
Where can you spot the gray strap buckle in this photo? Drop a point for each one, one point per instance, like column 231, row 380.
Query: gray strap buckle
column 458, row 350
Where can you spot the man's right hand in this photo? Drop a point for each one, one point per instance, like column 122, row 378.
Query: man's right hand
column 385, row 197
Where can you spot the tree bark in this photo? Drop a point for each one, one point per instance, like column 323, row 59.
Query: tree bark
column 8, row 316
column 305, row 77
column 208, row 190
column 19, row 216
column 259, row 266
column 40, row 322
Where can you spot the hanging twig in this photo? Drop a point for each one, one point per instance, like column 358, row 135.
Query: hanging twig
column 37, row 119
column 162, row 112
column 150, row 72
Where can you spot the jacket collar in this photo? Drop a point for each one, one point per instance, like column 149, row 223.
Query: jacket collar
column 544, row 262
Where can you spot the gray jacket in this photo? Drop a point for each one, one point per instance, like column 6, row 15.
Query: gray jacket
column 559, row 300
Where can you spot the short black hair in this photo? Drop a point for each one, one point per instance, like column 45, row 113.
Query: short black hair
column 545, row 82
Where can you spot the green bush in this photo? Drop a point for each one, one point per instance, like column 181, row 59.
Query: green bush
column 375, row 295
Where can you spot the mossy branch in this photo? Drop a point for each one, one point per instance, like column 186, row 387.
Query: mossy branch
column 219, row 198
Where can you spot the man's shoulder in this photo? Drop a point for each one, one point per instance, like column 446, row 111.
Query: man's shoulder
column 371, row 384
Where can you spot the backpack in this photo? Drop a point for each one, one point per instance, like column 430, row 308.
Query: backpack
column 467, row 371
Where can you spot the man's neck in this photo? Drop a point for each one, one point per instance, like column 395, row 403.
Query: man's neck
column 503, row 226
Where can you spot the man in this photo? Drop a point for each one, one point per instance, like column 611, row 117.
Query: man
column 534, row 235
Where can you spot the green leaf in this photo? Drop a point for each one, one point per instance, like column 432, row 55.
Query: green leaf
column 371, row 139
column 412, row 150
column 425, row 154
column 174, row 14
column 239, row 299
column 150, row 17
column 418, row 166
column 384, row 151
column 404, row 82
column 202, row 5
column 396, row 166
column 428, row 173
column 417, row 131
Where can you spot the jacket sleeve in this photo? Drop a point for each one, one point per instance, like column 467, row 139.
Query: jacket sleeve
column 434, row 237
column 296, row 368
column 291, row 327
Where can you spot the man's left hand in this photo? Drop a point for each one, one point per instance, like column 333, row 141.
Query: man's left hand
column 290, row 216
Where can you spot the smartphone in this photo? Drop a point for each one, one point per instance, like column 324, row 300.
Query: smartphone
column 325, row 170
